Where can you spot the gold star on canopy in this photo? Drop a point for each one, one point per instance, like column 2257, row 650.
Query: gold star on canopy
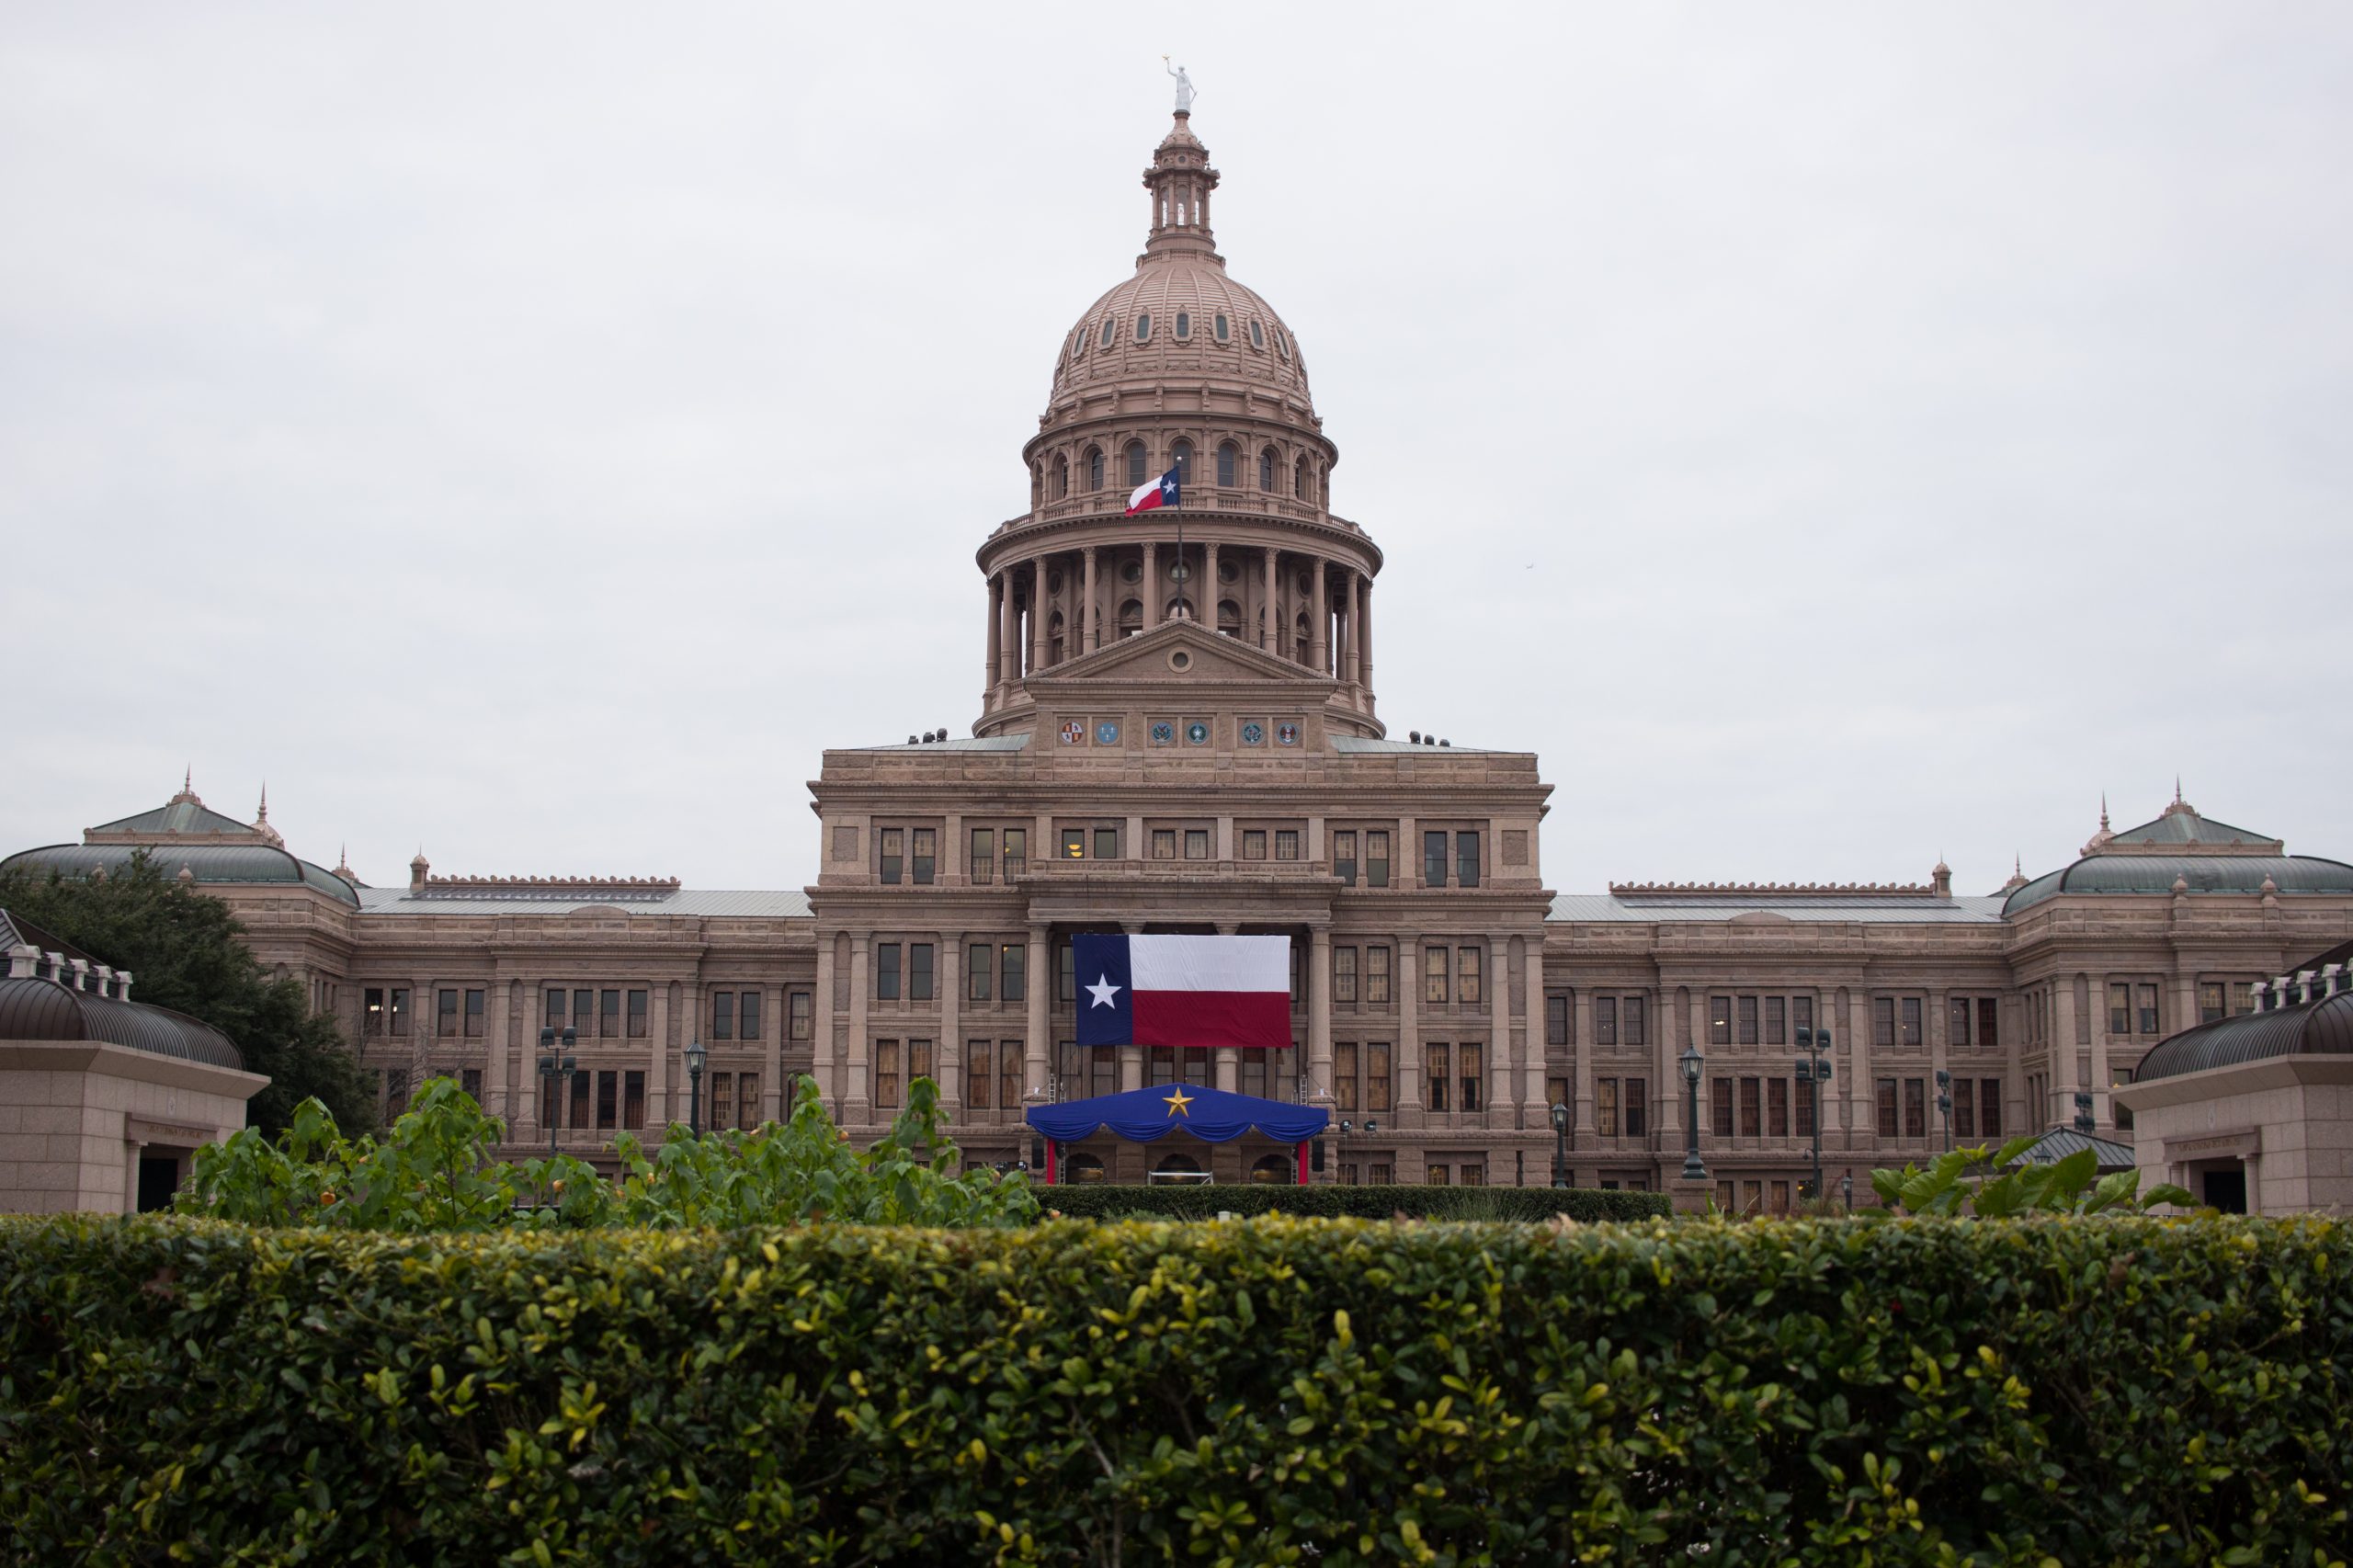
column 1177, row 1100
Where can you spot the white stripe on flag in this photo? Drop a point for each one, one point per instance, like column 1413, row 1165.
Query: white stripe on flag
column 1136, row 498
column 1209, row 963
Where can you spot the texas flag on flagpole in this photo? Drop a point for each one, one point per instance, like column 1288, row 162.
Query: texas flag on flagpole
column 1161, row 491
column 1191, row 991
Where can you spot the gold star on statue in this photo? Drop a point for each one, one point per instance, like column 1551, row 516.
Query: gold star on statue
column 1177, row 1100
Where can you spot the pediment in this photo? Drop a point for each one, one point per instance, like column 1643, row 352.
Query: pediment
column 1208, row 659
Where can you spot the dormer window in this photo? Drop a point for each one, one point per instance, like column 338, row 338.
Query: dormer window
column 1143, row 327
column 1109, row 328
column 1281, row 347
column 1223, row 335
column 1183, row 324
column 1257, row 337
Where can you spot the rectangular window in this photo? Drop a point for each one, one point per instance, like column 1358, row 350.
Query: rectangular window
column 633, row 1099
column 1915, row 1108
column 636, row 1016
column 1065, row 971
column 976, row 1074
column 1751, row 1108
column 919, row 970
column 886, row 971
column 1883, row 1022
column 1473, row 1174
column 1745, row 1020
column 1434, row 859
column 1720, row 1108
column 372, row 1009
column 1989, row 1022
column 1886, row 1108
column 609, row 1014
column 1344, row 858
column 1604, row 1020
column 1964, row 1108
column 722, row 1015
column 1467, row 1066
column 1376, row 860
column 1163, row 844
column 1016, row 851
column 1777, row 1108
column 1469, row 976
column 1009, row 1074
column 893, row 850
column 722, row 1101
column 1556, row 1020
column 1074, row 844
column 1605, row 1108
column 747, row 1101
column 1775, row 1021
column 474, row 1013
column 1193, row 1065
column 1160, row 1066
column 1196, row 844
column 886, row 1074
column 2209, row 1001
column 1107, row 1070
column 1989, row 1107
column 1957, row 1022
column 1377, row 1092
column 1805, row 1107
column 982, row 867
column 445, row 1022
column 1380, row 1172
column 1254, row 843
column 583, row 1013
column 1912, row 1032
column 924, row 853
column 470, row 1081
column 2148, row 1009
column 1435, row 1175
column 582, row 1092
column 1344, row 975
column 1718, row 1020
column 396, row 1012
column 1435, row 1062
column 748, row 1016
column 1556, row 1091
column 1344, row 1076
column 1433, row 974
column 977, row 968
column 1466, row 858
column 1106, row 843
column 1635, row 1112
column 1013, row 960
column 1286, row 844
column 1802, row 1012
column 801, row 1006
column 609, row 1101
column 1376, row 977
column 2120, row 1008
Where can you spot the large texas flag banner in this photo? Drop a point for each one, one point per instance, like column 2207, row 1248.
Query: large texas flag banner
column 1183, row 990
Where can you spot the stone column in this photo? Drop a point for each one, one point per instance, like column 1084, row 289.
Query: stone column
column 1038, row 1049
column 1008, row 669
column 1319, row 1014
column 1037, row 614
column 500, row 1000
column 948, row 1055
column 1364, row 637
column 1093, row 617
column 1150, row 584
column 773, row 1023
column 1406, row 1071
column 658, row 1055
column 1225, row 1061
column 858, row 1090
column 1132, row 1056
column 1320, row 634
column 1939, row 1057
column 2058, row 1107
column 1270, row 619
column 1825, row 1095
column 821, row 1020
column 1862, row 1095
column 2100, row 1041
column 1581, row 1047
column 1356, row 630
column 1533, row 1110
column 996, row 672
column 1208, row 600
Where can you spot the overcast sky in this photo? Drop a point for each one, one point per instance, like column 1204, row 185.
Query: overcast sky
column 1828, row 435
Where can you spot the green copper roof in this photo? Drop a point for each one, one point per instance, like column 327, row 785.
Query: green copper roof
column 214, row 863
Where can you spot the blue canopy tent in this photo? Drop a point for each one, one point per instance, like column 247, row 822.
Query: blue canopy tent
column 1148, row 1115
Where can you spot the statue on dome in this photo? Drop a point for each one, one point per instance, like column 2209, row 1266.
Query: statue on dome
column 1184, row 94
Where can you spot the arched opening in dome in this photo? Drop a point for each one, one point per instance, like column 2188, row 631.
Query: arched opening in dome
column 1183, row 324
column 1299, row 482
column 1281, row 347
column 1265, row 471
column 1078, row 344
column 1143, row 327
column 1258, row 335
column 1109, row 328
column 1229, row 617
column 1061, row 476
column 1130, row 617
column 1135, row 462
column 1224, row 333
column 1094, row 468
column 1054, row 638
column 1226, row 457
column 1181, row 459
column 1179, row 608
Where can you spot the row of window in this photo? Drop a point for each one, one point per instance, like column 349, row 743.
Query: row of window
column 1181, row 325
column 1453, row 1076
column 910, row 855
column 1137, row 458
column 591, row 1012
column 392, row 1090
column 1905, row 1114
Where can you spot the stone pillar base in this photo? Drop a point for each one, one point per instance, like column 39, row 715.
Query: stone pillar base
column 1690, row 1197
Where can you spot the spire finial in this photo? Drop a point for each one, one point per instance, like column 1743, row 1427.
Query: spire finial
column 188, row 776
column 2176, row 789
column 2103, row 809
column 263, row 814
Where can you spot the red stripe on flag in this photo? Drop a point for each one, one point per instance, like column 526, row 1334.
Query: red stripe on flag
column 1260, row 1019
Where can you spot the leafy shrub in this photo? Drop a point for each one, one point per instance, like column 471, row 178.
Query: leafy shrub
column 2123, row 1390
column 434, row 1171
column 1499, row 1203
column 2069, row 1186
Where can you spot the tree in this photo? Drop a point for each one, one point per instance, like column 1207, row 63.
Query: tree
column 188, row 952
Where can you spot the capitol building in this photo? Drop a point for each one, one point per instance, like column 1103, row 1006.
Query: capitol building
column 1180, row 731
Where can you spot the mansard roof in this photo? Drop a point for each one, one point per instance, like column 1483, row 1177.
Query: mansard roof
column 2286, row 874
column 206, row 862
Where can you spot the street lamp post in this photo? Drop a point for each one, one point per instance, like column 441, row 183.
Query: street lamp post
column 1561, row 1118
column 555, row 1071
column 1693, row 1170
column 1814, row 1070
column 1944, row 1104
column 696, row 1056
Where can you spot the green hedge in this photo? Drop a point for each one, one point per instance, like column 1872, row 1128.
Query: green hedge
column 1333, row 1202
column 1785, row 1391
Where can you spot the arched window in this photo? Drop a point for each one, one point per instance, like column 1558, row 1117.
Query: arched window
column 1054, row 638
column 1037, row 483
column 1130, row 617
column 1061, row 476
column 1266, row 470
column 1184, row 324
column 1299, row 480
column 1094, row 468
column 1257, row 336
column 1300, row 633
column 1224, row 334
column 1229, row 617
column 1183, row 1163
column 1135, row 462
column 1271, row 1170
column 1280, row 347
column 1181, row 460
column 1083, row 1170
column 1143, row 327
column 1179, row 608
column 1108, row 330
column 1226, row 457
